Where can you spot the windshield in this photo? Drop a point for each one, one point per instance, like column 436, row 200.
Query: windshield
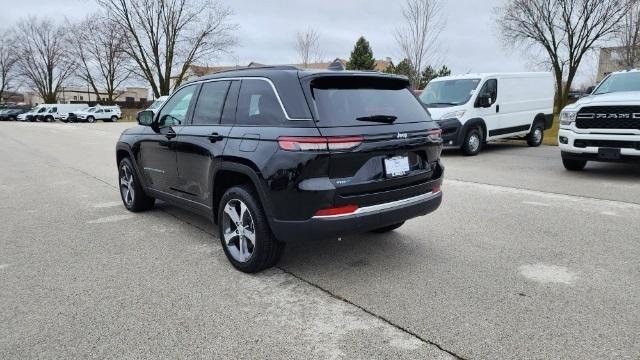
column 619, row 82
column 156, row 104
column 449, row 92
column 357, row 101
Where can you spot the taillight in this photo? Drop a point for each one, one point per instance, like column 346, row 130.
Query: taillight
column 336, row 211
column 436, row 189
column 290, row 143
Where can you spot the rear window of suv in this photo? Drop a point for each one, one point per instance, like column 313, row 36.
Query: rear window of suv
column 358, row 101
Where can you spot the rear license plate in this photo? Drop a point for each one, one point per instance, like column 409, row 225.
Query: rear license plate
column 609, row 153
column 396, row 166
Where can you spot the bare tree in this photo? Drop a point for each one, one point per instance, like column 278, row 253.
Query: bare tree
column 566, row 30
column 629, row 36
column 99, row 47
column 417, row 37
column 44, row 59
column 164, row 36
column 8, row 61
column 307, row 46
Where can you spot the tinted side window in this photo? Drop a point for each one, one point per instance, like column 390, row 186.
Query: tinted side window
column 175, row 110
column 208, row 110
column 258, row 104
column 490, row 89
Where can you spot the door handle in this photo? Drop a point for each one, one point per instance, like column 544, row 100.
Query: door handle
column 170, row 134
column 497, row 108
column 215, row 137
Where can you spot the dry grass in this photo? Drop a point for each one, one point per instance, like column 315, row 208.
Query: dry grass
column 551, row 135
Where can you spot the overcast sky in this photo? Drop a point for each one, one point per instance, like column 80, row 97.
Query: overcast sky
column 469, row 42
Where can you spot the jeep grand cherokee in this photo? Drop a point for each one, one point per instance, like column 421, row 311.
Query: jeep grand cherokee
column 278, row 154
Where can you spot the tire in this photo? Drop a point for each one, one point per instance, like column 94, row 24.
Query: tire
column 472, row 142
column 13, row 118
column 113, row 119
column 240, row 214
column 49, row 119
column 136, row 200
column 536, row 135
column 574, row 165
column 387, row 229
column 91, row 119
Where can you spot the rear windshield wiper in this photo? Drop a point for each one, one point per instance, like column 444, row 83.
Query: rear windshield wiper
column 387, row 119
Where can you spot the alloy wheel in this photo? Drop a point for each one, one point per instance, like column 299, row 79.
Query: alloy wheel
column 238, row 230
column 126, row 185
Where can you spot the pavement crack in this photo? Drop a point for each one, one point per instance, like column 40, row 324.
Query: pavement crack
column 379, row 317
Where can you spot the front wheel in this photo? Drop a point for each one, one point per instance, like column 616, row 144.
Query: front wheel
column 574, row 165
column 387, row 229
column 472, row 142
column 91, row 119
column 244, row 232
column 536, row 135
column 131, row 192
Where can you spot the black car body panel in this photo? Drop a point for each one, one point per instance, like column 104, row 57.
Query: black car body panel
column 187, row 163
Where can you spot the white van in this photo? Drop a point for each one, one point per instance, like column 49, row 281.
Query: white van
column 34, row 113
column 473, row 109
column 61, row 111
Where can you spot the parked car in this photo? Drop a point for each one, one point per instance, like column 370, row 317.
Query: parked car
column 75, row 115
column 270, row 168
column 158, row 103
column 104, row 113
column 11, row 114
column 61, row 111
column 507, row 105
column 33, row 113
column 604, row 126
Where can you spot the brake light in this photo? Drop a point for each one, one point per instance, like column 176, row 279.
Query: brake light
column 342, row 210
column 290, row 143
column 436, row 189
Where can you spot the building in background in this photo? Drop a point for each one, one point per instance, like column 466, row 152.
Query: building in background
column 611, row 60
column 77, row 94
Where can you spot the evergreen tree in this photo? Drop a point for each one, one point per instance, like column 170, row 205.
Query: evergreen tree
column 361, row 56
column 405, row 68
column 430, row 73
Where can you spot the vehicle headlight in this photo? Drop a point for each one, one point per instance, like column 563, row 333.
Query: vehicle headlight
column 453, row 115
column 567, row 117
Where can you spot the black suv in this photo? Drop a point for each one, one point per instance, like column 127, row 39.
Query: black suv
column 278, row 154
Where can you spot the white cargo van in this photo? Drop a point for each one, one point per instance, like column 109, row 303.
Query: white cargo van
column 473, row 109
column 62, row 110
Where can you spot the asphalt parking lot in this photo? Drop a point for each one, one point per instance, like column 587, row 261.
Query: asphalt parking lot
column 523, row 260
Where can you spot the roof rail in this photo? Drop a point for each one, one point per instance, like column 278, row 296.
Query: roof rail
column 265, row 67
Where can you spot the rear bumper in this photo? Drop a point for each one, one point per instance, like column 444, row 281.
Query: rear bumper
column 364, row 220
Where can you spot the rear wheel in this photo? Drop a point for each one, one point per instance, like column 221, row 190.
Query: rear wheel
column 113, row 119
column 131, row 191
column 387, row 229
column 472, row 142
column 574, row 165
column 91, row 119
column 536, row 135
column 244, row 231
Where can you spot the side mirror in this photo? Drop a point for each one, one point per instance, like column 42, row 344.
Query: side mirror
column 145, row 118
column 484, row 101
column 590, row 89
